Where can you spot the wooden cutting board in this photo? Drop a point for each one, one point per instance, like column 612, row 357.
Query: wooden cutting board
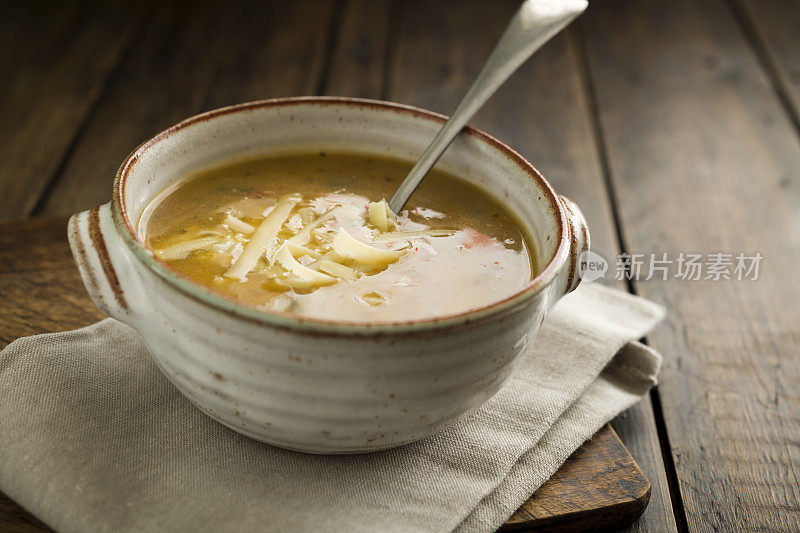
column 600, row 487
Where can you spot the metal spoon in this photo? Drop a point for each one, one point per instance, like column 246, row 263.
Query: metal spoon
column 534, row 23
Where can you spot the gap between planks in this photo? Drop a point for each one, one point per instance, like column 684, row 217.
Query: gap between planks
column 673, row 483
column 768, row 63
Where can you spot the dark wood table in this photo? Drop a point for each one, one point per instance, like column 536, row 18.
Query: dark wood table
column 674, row 125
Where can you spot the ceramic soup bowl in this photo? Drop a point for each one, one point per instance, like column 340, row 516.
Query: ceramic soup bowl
column 306, row 384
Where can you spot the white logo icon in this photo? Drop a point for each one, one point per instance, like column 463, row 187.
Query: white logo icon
column 591, row 266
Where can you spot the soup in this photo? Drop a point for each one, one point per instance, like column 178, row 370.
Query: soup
column 308, row 234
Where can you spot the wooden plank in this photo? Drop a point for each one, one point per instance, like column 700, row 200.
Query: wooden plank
column 775, row 27
column 636, row 429
column 183, row 65
column 358, row 60
column 703, row 158
column 41, row 292
column 543, row 113
column 40, row 286
column 600, row 485
column 55, row 60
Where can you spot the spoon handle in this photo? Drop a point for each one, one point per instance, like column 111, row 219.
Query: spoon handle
column 534, row 23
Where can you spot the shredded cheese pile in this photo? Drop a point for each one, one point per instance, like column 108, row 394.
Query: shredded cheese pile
column 296, row 247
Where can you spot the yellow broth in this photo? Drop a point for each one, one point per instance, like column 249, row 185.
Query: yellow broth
column 459, row 249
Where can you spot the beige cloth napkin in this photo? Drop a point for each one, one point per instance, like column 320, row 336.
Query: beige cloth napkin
column 94, row 438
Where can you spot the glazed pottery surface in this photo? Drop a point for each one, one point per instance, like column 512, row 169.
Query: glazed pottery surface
column 309, row 385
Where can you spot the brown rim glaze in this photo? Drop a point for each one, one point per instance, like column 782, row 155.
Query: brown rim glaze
column 127, row 230
column 79, row 253
column 99, row 244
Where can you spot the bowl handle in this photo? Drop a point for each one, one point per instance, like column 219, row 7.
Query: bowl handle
column 104, row 263
column 568, row 279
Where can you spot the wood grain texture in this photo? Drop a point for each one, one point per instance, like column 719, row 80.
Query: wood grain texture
column 55, row 58
column 776, row 28
column 40, row 285
column 542, row 112
column 704, row 158
column 600, row 485
column 358, row 59
column 183, row 65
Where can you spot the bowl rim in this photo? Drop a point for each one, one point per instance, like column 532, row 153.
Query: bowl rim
column 127, row 231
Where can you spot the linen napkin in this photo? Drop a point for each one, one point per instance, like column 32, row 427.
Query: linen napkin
column 94, row 438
